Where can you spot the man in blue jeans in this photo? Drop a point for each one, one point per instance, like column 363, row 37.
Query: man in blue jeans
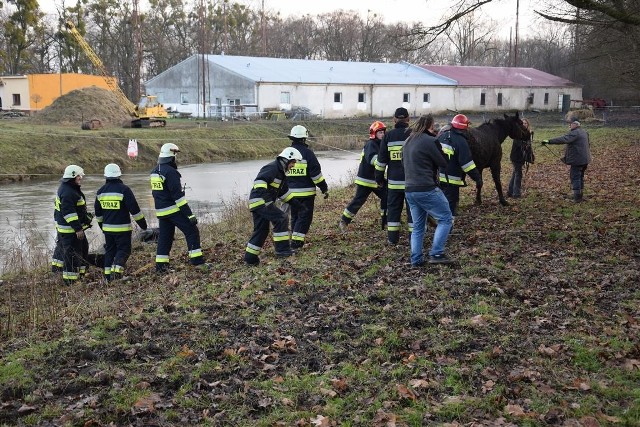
column 422, row 157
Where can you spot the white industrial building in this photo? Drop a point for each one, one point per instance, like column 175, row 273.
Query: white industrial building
column 506, row 88
column 227, row 86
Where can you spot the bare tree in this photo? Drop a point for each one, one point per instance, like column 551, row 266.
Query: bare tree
column 472, row 38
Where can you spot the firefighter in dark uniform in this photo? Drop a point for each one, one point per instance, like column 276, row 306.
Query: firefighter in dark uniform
column 72, row 219
column 390, row 158
column 459, row 161
column 113, row 205
column 269, row 185
column 173, row 211
column 366, row 179
column 302, row 181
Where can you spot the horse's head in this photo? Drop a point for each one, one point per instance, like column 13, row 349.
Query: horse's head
column 516, row 128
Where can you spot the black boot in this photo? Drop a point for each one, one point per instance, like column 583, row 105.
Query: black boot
column 577, row 196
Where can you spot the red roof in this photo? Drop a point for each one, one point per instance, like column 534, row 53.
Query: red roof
column 498, row 76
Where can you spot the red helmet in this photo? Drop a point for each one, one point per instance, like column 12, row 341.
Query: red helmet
column 375, row 127
column 460, row 121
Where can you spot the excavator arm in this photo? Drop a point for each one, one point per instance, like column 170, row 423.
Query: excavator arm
column 137, row 120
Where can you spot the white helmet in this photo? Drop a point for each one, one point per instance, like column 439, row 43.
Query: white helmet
column 71, row 171
column 291, row 153
column 169, row 150
column 299, row 132
column 112, row 171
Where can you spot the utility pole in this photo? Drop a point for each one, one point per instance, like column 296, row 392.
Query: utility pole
column 203, row 39
column 515, row 49
column 264, row 33
column 226, row 30
column 137, row 46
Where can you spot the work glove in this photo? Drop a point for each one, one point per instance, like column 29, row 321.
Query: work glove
column 80, row 234
column 544, row 142
column 193, row 220
column 326, row 194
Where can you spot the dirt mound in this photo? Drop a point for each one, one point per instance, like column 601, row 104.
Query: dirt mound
column 84, row 104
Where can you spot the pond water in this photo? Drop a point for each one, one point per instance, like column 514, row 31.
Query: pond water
column 26, row 211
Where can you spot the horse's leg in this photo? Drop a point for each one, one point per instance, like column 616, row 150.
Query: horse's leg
column 495, row 173
column 479, row 189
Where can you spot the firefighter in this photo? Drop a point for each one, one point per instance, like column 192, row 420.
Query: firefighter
column 113, row 205
column 366, row 180
column 302, row 181
column 173, row 211
column 390, row 159
column 72, row 219
column 459, row 162
column 270, row 185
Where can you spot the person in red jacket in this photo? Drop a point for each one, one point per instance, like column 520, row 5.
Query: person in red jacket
column 366, row 178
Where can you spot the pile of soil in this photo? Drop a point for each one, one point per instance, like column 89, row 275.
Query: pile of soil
column 82, row 105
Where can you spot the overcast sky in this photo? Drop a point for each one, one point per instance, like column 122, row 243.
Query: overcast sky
column 425, row 11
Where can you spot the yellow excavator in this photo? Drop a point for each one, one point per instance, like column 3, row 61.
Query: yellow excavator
column 148, row 113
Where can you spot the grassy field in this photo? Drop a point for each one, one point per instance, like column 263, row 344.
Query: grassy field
column 539, row 325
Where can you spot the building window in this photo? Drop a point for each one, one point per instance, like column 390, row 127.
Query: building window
column 426, row 97
column 405, row 97
column 184, row 98
column 530, row 99
column 483, row 97
column 285, row 97
column 337, row 97
column 546, row 98
column 362, row 97
column 16, row 99
column 499, row 99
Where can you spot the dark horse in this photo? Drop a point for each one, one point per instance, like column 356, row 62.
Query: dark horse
column 485, row 143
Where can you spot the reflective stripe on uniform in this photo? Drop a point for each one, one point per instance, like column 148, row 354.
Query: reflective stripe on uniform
column 299, row 192
column 70, row 275
column 317, row 179
column 253, row 249
column 395, row 185
column 162, row 258
column 138, row 216
column 258, row 183
column 254, row 203
column 194, row 253
column 468, row 166
column 366, row 182
column 65, row 229
column 167, row 211
column 297, row 236
column 117, row 228
column 450, row 179
column 281, row 236
column 71, row 217
column 348, row 214
column 393, row 226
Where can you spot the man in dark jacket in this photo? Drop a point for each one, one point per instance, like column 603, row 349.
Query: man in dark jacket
column 422, row 158
column 459, row 161
column 72, row 219
column 302, row 181
column 390, row 159
column 114, row 204
column 366, row 179
column 172, row 210
column 577, row 155
column 270, row 185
